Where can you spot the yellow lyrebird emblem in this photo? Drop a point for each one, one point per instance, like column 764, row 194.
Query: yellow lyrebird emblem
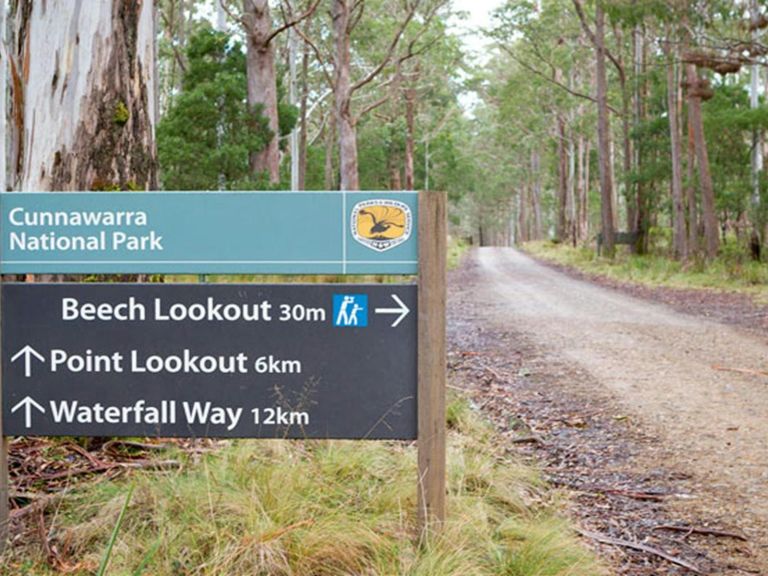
column 381, row 224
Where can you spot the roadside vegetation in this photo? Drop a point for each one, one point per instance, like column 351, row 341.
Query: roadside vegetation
column 278, row 507
column 733, row 270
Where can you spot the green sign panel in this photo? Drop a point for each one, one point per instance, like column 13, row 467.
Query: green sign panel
column 209, row 232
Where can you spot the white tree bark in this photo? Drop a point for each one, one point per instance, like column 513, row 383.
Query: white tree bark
column 3, row 97
column 83, row 102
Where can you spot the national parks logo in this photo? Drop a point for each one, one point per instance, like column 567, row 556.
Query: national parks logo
column 381, row 224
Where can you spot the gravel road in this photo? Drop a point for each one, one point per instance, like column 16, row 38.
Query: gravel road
column 694, row 384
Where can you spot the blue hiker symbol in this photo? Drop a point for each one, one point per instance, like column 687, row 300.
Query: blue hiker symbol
column 350, row 310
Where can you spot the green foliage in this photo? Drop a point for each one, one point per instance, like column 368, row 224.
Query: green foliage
column 205, row 139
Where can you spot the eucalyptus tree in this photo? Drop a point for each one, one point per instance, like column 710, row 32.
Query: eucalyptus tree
column 256, row 21
column 82, row 103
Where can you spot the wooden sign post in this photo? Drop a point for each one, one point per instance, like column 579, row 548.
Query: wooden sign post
column 365, row 233
column 4, row 483
column 432, row 361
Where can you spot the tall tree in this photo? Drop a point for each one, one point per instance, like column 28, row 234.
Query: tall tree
column 262, row 79
column 698, row 89
column 209, row 134
column 604, row 144
column 83, row 95
column 679, row 238
column 346, row 15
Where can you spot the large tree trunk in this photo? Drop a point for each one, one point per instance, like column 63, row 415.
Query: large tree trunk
column 604, row 136
column 262, row 83
column 3, row 95
column 711, row 233
column 679, row 244
column 345, row 121
column 83, row 101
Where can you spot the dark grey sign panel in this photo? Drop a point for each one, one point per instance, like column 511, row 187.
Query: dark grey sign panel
column 248, row 361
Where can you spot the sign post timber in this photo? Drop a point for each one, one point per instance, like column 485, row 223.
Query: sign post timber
column 245, row 233
column 432, row 361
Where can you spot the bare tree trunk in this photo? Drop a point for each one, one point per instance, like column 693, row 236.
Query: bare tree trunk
column 536, row 196
column 522, row 214
column 330, row 146
column 629, row 193
column 83, row 104
column 604, row 136
column 693, row 209
column 262, row 83
column 345, row 121
column 582, row 188
column 757, row 139
column 570, row 204
column 627, row 146
column 395, row 180
column 639, row 60
column 679, row 244
column 303, row 122
column 711, row 233
column 562, row 182
column 410, row 135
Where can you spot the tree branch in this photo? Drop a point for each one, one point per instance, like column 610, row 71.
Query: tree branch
column 591, row 35
column 290, row 24
column 318, row 55
column 242, row 21
column 176, row 53
column 372, row 106
column 390, row 51
column 555, row 82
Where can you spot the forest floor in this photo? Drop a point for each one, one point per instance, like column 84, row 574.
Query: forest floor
column 651, row 415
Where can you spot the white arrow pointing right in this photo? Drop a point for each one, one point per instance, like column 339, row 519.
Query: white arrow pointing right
column 403, row 310
column 28, row 403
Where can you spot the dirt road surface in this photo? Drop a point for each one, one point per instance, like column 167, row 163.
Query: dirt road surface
column 691, row 387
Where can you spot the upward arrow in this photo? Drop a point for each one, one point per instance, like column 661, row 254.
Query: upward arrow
column 27, row 352
column 28, row 403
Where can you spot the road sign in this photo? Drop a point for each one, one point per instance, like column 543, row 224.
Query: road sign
column 286, row 360
column 209, row 232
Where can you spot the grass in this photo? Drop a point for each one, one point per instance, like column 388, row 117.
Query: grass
column 456, row 250
column 316, row 508
column 732, row 271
